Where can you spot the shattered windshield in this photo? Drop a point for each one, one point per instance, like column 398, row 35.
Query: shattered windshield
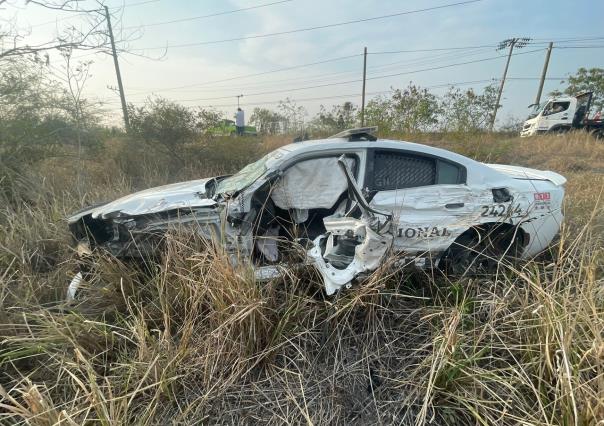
column 243, row 178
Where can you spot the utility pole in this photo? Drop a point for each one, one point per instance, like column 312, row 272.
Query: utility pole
column 543, row 73
column 238, row 96
column 511, row 43
column 364, row 79
column 117, row 71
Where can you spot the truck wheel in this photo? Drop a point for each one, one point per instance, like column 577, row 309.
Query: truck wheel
column 558, row 131
column 597, row 134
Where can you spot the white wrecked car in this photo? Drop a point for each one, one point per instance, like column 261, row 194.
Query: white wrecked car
column 348, row 200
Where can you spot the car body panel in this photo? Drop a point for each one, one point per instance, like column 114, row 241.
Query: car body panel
column 175, row 196
column 428, row 219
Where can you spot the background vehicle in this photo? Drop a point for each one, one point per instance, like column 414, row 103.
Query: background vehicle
column 227, row 128
column 564, row 113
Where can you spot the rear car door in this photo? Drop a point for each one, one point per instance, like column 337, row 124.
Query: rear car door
column 427, row 196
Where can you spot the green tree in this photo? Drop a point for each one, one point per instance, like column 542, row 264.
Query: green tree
column 466, row 110
column 164, row 123
column 38, row 116
column 588, row 80
column 266, row 121
column 414, row 109
column 169, row 126
column 207, row 119
column 340, row 117
column 377, row 113
column 293, row 115
column 40, row 119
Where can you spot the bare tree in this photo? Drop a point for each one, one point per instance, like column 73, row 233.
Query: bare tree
column 76, row 75
column 92, row 35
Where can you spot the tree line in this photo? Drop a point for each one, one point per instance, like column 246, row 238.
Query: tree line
column 43, row 113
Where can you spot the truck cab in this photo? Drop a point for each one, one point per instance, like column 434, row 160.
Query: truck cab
column 559, row 114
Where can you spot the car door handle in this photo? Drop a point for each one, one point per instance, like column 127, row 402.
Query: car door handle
column 454, row 205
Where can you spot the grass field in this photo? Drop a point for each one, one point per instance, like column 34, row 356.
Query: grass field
column 198, row 342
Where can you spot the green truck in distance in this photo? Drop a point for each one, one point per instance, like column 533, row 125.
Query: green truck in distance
column 226, row 127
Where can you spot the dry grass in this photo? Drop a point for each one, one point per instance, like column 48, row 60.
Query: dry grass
column 194, row 340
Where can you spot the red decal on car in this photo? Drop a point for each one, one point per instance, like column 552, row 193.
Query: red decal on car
column 542, row 196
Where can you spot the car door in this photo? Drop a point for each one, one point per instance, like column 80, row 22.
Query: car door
column 427, row 195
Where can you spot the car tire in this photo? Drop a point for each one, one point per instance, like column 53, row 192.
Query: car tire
column 480, row 251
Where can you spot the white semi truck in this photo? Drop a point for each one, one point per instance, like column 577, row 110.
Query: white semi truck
column 562, row 114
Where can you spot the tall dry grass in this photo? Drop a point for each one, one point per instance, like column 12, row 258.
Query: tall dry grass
column 192, row 340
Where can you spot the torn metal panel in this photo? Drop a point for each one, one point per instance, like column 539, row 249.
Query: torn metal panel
column 334, row 248
column 351, row 246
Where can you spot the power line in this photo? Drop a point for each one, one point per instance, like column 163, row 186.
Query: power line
column 134, row 4
column 323, row 76
column 344, row 96
column 442, row 85
column 318, row 27
column 536, row 78
column 193, row 18
column 559, row 40
column 371, row 78
column 510, row 43
column 263, row 72
column 293, row 67
column 431, row 50
column 95, row 10
column 579, row 47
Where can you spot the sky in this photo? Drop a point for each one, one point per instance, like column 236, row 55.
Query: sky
column 210, row 72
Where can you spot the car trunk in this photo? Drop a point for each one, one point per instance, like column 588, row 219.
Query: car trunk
column 525, row 173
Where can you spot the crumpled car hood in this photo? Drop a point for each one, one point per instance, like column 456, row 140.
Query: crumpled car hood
column 180, row 195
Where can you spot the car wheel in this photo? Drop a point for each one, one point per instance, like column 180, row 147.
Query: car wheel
column 480, row 252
